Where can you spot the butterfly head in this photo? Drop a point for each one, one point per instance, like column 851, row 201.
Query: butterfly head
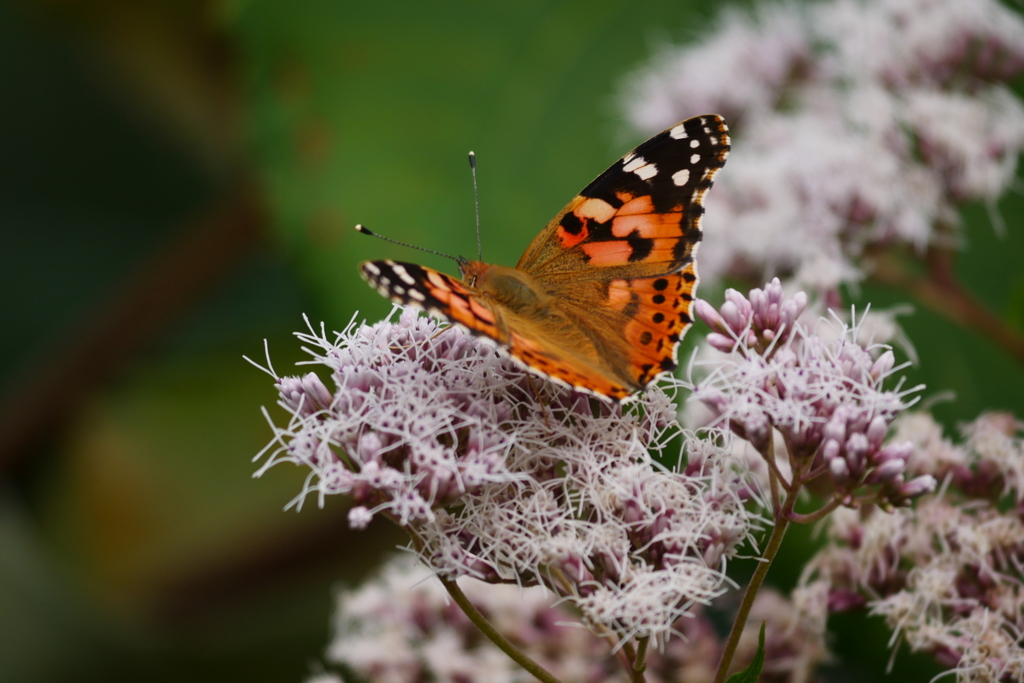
column 471, row 270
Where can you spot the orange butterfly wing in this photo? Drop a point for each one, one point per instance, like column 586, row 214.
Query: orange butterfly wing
column 619, row 259
column 603, row 295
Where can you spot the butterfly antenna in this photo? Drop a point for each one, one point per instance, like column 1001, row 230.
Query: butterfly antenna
column 366, row 231
column 476, row 199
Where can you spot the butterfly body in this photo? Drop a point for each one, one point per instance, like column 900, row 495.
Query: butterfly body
column 602, row 296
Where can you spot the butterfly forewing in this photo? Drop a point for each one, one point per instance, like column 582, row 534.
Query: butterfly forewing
column 642, row 215
column 435, row 292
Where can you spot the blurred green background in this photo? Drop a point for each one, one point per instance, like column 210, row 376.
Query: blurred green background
column 179, row 182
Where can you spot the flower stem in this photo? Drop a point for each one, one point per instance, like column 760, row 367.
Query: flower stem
column 532, row 667
column 818, row 514
column 774, row 543
column 639, row 665
column 770, row 551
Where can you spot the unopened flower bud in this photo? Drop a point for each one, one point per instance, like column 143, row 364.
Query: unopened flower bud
column 840, row 471
column 359, row 518
column 885, row 471
column 831, row 450
column 894, row 451
column 835, row 429
column 883, row 365
column 876, row 432
column 721, row 342
column 733, row 317
column 918, row 486
column 709, row 315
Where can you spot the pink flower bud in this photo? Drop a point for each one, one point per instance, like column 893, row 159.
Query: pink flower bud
column 709, row 315
column 734, row 318
column 876, row 432
column 831, row 450
column 885, row 471
column 359, row 518
column 883, row 365
column 894, row 451
column 316, row 391
column 839, row 470
column 721, row 342
column 918, row 486
column 835, row 428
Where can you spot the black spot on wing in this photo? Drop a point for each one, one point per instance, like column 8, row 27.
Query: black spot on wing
column 641, row 246
column 571, row 223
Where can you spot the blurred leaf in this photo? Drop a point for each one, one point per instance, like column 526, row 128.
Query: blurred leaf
column 752, row 672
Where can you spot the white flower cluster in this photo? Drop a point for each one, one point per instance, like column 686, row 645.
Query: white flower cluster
column 400, row 627
column 436, row 430
column 948, row 574
column 857, row 124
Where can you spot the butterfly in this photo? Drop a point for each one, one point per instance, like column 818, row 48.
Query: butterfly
column 603, row 295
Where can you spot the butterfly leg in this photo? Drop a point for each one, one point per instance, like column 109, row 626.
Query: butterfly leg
column 540, row 400
column 428, row 339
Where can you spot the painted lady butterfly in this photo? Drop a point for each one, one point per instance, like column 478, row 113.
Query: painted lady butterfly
column 604, row 293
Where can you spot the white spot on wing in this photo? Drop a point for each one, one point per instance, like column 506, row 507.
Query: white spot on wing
column 371, row 268
column 680, row 177
column 647, row 172
column 640, row 166
column 694, row 143
column 695, row 158
column 595, row 208
column 634, row 163
column 403, row 274
column 417, row 295
column 678, row 133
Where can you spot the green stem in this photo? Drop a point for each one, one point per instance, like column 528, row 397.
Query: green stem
column 770, row 551
column 639, row 665
column 812, row 517
column 503, row 644
column 774, row 543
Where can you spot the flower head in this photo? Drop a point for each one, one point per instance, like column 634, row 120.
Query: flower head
column 498, row 478
column 399, row 628
column 819, row 388
column 946, row 574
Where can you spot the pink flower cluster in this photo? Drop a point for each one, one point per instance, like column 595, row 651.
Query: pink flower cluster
column 398, row 628
column 947, row 575
column 824, row 396
column 409, row 426
column 516, row 481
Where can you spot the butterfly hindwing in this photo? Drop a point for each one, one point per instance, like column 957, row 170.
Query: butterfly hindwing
column 541, row 348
